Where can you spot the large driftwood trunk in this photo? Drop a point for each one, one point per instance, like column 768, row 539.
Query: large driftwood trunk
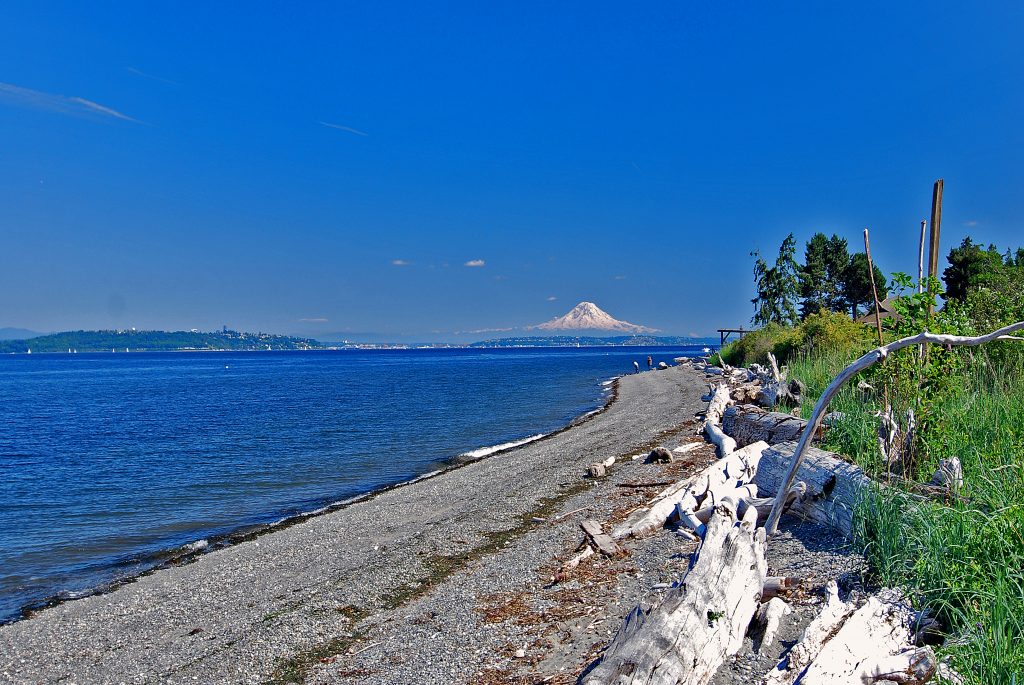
column 739, row 465
column 845, row 645
column 747, row 424
column 701, row 621
column 833, row 486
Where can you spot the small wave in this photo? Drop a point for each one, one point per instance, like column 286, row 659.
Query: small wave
column 196, row 546
column 484, row 451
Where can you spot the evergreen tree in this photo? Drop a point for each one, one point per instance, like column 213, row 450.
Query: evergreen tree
column 778, row 286
column 856, row 284
column 971, row 267
column 825, row 261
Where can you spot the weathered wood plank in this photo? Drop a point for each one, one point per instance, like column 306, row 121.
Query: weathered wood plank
column 601, row 540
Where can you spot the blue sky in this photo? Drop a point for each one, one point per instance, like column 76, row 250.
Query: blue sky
column 428, row 168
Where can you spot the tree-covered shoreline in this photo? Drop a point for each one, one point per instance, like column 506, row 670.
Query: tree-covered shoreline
column 155, row 341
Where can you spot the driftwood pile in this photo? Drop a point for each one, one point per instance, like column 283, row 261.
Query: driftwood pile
column 726, row 593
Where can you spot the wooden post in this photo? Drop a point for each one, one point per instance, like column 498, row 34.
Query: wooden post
column 920, row 258
column 874, row 289
column 933, row 253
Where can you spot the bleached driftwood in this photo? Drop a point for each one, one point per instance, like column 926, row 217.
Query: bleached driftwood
column 657, row 512
column 867, row 361
column 813, row 639
column 845, row 645
column 713, row 421
column 747, row 424
column 773, row 585
column 601, row 540
column 873, row 644
column 600, row 469
column 766, row 622
column 833, row 486
column 700, row 622
column 950, row 474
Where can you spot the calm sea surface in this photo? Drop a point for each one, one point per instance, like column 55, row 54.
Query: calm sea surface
column 107, row 461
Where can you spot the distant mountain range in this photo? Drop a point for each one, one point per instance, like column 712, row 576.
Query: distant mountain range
column 17, row 334
column 155, row 341
column 587, row 316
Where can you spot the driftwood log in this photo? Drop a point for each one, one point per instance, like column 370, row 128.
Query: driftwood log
column 701, row 620
column 847, row 645
column 713, row 421
column 834, row 487
column 661, row 507
column 865, row 362
column 747, row 424
column 874, row 644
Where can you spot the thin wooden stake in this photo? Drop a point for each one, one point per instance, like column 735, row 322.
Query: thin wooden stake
column 874, row 290
column 920, row 259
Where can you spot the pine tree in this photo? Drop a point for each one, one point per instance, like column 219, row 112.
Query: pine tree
column 778, row 286
column 825, row 261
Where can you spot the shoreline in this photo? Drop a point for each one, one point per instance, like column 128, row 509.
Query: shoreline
column 187, row 553
column 365, row 552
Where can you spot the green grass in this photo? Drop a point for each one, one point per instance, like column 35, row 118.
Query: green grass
column 964, row 560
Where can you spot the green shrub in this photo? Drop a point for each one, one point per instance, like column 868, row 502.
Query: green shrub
column 825, row 332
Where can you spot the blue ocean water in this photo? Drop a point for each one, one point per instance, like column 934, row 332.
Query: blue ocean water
column 107, row 461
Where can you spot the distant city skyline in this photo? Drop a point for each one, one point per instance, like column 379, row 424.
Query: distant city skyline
column 429, row 171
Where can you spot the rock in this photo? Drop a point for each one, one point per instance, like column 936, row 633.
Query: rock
column 597, row 471
column 660, row 455
column 662, row 366
column 713, row 370
column 520, row 653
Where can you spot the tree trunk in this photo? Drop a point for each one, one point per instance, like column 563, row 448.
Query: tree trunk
column 833, row 486
column 747, row 424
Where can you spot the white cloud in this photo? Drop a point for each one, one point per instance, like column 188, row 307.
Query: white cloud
column 346, row 129
column 315, row 319
column 75, row 106
column 970, row 224
column 552, row 298
column 475, row 263
column 140, row 72
column 399, row 262
column 620, row 278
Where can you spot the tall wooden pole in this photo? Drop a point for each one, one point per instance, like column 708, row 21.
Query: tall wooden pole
column 936, row 223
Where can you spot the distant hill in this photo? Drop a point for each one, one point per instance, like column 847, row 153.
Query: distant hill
column 17, row 333
column 155, row 341
column 597, row 341
column 587, row 316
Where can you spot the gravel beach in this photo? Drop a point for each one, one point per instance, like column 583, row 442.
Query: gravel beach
column 394, row 589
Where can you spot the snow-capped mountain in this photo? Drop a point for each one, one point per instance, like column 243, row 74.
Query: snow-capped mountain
column 588, row 316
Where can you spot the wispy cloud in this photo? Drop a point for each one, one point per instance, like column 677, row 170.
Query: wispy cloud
column 315, row 319
column 346, row 129
column 140, row 72
column 485, row 330
column 399, row 262
column 17, row 96
column 620, row 278
column 552, row 298
column 475, row 263
column 970, row 224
